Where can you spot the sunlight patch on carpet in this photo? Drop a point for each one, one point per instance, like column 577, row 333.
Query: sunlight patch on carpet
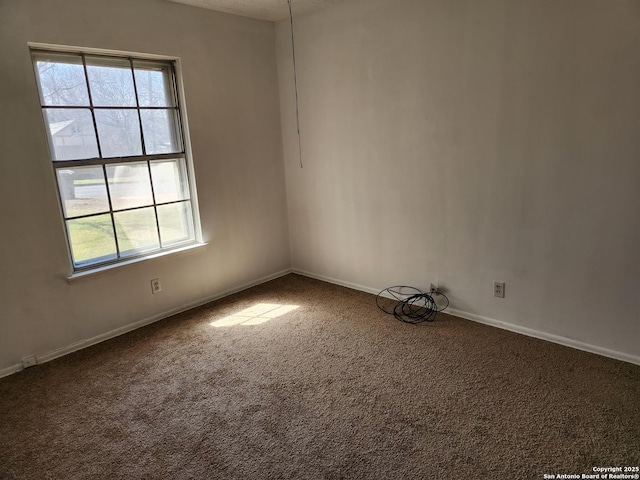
column 256, row 315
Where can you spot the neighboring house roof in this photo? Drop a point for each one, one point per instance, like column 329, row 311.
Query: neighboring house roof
column 57, row 127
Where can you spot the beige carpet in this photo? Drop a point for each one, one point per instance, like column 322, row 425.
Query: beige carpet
column 331, row 389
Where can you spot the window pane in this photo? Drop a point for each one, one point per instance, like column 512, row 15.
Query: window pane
column 137, row 231
column 119, row 132
column 115, row 124
column 129, row 185
column 176, row 223
column 71, row 133
column 169, row 180
column 111, row 82
column 152, row 82
column 92, row 240
column 83, row 191
column 160, row 131
column 61, row 79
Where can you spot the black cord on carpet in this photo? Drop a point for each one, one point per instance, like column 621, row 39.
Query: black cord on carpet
column 412, row 306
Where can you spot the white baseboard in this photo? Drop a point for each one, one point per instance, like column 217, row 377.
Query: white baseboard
column 46, row 357
column 568, row 342
column 11, row 369
column 59, row 352
column 336, row 281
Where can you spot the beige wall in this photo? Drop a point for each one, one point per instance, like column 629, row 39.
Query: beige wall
column 467, row 141
column 230, row 79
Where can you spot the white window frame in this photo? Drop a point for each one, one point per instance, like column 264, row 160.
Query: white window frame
column 181, row 129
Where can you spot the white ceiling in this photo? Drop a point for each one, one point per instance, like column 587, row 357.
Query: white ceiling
column 272, row 10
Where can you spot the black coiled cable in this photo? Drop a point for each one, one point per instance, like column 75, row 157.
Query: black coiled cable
column 412, row 304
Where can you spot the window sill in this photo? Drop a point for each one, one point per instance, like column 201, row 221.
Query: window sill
column 85, row 273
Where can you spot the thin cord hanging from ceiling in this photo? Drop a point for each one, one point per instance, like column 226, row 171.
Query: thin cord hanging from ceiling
column 295, row 83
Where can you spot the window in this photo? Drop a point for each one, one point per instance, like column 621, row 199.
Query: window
column 118, row 151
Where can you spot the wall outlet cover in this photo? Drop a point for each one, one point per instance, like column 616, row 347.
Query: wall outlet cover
column 29, row 361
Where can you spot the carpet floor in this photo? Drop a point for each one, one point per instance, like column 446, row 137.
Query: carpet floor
column 301, row 379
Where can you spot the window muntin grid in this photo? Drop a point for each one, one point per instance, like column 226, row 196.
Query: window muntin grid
column 117, row 147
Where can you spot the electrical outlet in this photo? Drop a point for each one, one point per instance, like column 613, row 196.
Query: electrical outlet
column 498, row 289
column 156, row 286
column 29, row 361
column 434, row 288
